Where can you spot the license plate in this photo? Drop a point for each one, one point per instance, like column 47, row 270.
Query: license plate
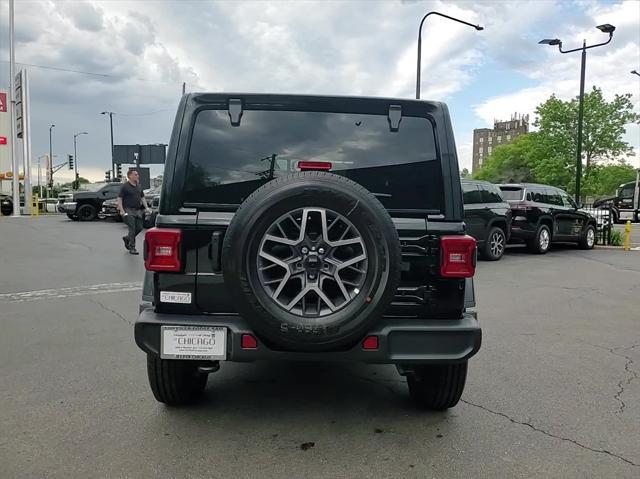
column 193, row 342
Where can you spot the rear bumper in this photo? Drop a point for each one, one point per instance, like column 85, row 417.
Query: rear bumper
column 408, row 341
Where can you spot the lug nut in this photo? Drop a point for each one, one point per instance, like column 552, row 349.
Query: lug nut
column 313, row 248
column 305, row 250
column 321, row 250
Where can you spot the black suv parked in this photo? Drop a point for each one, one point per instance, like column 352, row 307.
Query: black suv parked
column 487, row 216
column 309, row 228
column 85, row 205
column 544, row 214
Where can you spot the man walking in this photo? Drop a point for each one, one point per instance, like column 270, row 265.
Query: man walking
column 132, row 206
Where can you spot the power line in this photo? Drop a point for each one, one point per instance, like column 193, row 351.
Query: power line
column 101, row 75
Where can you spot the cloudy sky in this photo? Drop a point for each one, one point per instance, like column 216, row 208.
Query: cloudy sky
column 140, row 52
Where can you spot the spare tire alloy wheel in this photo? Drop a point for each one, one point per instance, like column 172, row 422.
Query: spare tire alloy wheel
column 312, row 261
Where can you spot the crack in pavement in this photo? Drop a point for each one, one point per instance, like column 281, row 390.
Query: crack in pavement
column 627, row 367
column 546, row 433
column 623, row 383
column 106, row 308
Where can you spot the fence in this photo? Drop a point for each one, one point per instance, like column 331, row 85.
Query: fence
column 604, row 224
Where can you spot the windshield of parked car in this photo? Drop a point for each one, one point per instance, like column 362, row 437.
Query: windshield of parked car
column 227, row 163
column 512, row 193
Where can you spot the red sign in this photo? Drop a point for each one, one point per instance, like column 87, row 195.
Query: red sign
column 3, row 102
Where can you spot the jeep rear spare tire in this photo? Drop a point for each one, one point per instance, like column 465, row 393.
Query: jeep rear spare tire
column 312, row 260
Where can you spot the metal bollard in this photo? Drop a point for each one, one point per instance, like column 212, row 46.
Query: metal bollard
column 627, row 236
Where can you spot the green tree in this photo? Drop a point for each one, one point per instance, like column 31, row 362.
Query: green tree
column 549, row 155
column 603, row 126
column 605, row 179
column 510, row 163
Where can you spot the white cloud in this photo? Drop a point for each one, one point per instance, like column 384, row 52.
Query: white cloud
column 606, row 67
column 362, row 48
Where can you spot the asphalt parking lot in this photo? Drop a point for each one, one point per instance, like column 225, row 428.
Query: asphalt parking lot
column 554, row 391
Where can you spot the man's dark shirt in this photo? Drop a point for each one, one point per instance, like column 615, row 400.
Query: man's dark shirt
column 131, row 196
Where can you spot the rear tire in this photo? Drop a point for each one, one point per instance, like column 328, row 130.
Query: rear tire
column 174, row 382
column 542, row 240
column 87, row 213
column 494, row 245
column 589, row 238
column 437, row 387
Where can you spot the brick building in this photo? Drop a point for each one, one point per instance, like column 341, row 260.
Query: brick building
column 503, row 132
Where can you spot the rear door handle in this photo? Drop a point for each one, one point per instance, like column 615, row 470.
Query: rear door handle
column 214, row 251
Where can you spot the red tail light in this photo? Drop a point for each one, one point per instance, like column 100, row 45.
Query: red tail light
column 162, row 250
column 370, row 343
column 522, row 206
column 458, row 256
column 314, row 165
column 248, row 341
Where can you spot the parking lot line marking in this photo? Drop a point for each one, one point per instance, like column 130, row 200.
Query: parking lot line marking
column 68, row 292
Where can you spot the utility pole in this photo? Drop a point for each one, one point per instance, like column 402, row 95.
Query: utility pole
column 12, row 102
column 110, row 113
column 51, row 161
column 39, row 184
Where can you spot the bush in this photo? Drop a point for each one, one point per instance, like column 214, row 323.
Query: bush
column 616, row 238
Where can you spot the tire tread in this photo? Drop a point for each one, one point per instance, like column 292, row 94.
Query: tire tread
column 174, row 382
column 437, row 387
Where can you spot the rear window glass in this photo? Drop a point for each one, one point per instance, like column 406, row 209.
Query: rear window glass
column 226, row 164
column 470, row 194
column 510, row 193
column 490, row 194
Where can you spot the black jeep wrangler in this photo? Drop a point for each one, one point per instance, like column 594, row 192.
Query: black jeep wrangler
column 309, row 228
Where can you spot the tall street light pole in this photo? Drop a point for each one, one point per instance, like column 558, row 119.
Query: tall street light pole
column 51, row 160
column 15, row 164
column 75, row 156
column 606, row 28
column 39, row 184
column 113, row 167
column 477, row 27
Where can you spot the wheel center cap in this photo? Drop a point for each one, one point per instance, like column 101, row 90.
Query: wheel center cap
column 312, row 261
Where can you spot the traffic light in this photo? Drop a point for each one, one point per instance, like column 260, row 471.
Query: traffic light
column 70, row 158
column 107, row 176
column 118, row 171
